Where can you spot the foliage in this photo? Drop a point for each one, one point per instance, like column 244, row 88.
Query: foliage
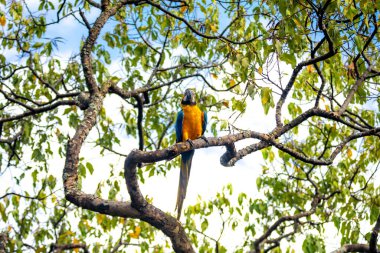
column 311, row 68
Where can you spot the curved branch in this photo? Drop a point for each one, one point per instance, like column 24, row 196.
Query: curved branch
column 70, row 171
column 39, row 110
column 282, row 219
column 151, row 214
column 90, row 42
column 299, row 67
column 220, row 36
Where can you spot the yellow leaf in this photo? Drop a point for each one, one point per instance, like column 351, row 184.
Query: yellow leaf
column 271, row 156
column 3, row 21
column 9, row 228
column 136, row 233
column 133, row 235
column 213, row 28
column 351, row 66
column 183, row 9
column 41, row 249
column 310, row 68
column 264, row 100
column 297, row 22
column 76, row 241
column 260, row 70
column 351, row 70
column 53, row 197
column 214, row 76
column 226, row 103
column 17, row 198
column 349, row 153
column 99, row 218
column 327, row 108
column 232, row 82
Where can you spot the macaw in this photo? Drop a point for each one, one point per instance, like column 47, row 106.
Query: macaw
column 190, row 124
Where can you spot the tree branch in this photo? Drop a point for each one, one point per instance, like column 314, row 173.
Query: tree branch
column 299, row 67
column 70, row 171
column 352, row 92
column 94, row 32
column 374, row 234
column 220, row 36
column 39, row 110
column 62, row 247
column 169, row 225
column 140, row 108
column 353, row 248
column 271, row 229
column 11, row 139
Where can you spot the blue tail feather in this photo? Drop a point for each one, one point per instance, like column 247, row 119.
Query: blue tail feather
column 186, row 159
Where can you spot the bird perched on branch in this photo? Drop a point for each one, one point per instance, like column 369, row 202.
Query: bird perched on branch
column 190, row 124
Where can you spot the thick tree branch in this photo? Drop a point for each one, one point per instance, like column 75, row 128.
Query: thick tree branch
column 149, row 213
column 3, row 241
column 70, row 172
column 353, row 248
column 94, row 32
column 62, row 247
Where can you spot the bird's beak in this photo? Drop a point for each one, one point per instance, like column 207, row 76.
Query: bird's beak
column 189, row 97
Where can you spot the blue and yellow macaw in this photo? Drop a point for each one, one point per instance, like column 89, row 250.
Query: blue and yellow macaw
column 190, row 124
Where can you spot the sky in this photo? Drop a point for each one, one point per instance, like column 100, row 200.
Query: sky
column 207, row 175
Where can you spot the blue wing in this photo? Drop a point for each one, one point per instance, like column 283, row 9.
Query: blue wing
column 178, row 126
column 204, row 122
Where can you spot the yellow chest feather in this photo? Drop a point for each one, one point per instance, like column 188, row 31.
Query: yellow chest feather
column 192, row 122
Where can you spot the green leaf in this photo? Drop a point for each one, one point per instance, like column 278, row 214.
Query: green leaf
column 90, row 167
column 374, row 214
column 2, row 212
column 313, row 244
column 37, row 45
column 82, row 170
column 204, row 225
column 289, row 58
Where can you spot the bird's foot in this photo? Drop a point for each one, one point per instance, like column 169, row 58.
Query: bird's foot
column 204, row 138
column 191, row 143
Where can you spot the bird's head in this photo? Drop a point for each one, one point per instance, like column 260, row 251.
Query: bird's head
column 189, row 98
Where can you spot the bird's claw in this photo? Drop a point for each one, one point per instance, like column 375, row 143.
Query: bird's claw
column 191, row 143
column 204, row 138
